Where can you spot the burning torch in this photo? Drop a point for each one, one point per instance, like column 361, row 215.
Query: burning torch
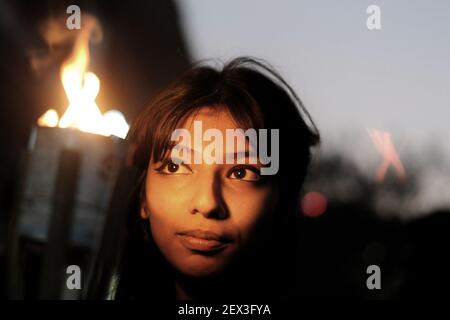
column 71, row 204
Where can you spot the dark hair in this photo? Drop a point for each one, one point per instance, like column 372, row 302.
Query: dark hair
column 256, row 97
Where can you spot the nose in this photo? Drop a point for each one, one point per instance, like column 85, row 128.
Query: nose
column 207, row 197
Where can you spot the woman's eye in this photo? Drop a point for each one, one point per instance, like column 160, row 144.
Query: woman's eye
column 245, row 174
column 169, row 167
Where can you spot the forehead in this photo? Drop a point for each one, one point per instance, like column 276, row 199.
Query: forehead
column 217, row 118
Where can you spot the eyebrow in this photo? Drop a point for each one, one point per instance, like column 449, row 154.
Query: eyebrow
column 241, row 154
column 246, row 153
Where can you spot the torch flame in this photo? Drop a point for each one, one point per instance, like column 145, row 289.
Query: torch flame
column 81, row 88
column 49, row 119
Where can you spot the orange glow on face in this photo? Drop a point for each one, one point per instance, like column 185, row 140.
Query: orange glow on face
column 185, row 205
column 385, row 147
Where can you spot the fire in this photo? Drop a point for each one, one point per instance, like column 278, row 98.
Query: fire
column 82, row 87
column 49, row 119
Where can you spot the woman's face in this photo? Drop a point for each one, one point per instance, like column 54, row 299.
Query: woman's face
column 202, row 216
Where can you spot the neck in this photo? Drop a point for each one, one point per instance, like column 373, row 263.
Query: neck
column 247, row 278
column 229, row 284
column 195, row 288
column 181, row 292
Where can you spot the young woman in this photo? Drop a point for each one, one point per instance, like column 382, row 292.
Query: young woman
column 205, row 229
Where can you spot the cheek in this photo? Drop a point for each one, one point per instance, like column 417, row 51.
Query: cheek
column 252, row 210
column 168, row 199
column 166, row 202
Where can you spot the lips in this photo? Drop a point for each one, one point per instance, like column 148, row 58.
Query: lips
column 203, row 240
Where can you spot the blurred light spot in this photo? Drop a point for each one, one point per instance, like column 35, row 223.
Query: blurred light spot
column 384, row 145
column 114, row 123
column 49, row 119
column 314, row 204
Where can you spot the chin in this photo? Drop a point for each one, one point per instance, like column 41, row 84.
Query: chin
column 200, row 267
